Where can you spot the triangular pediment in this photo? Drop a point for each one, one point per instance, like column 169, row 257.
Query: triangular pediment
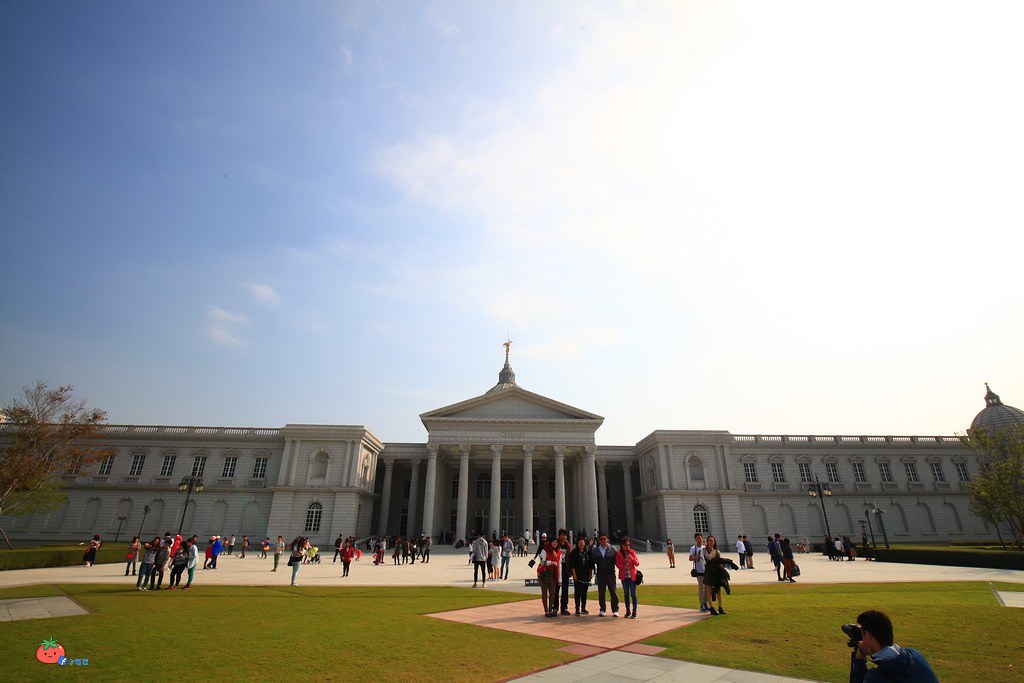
column 513, row 403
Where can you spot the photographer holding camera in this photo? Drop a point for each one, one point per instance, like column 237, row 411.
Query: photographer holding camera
column 872, row 636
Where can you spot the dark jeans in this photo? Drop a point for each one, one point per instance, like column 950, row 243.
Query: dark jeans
column 176, row 572
column 579, row 594
column 566, row 580
column 607, row 582
column 345, row 566
column 480, row 567
column 131, row 566
column 145, row 571
column 157, row 572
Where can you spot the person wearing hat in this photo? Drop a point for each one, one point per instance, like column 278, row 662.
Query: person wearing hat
column 215, row 551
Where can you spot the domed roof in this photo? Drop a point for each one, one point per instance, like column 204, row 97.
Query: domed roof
column 507, row 376
column 995, row 415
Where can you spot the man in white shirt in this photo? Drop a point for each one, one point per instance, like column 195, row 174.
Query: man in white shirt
column 741, row 550
column 697, row 557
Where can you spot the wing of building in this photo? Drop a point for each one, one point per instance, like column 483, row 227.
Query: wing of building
column 512, row 460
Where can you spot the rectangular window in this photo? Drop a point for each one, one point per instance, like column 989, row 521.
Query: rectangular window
column 137, row 462
column 777, row 474
column 961, row 471
column 168, row 467
column 106, row 465
column 259, row 470
column 858, row 472
column 832, row 471
column 403, row 520
column 454, row 520
column 551, row 487
column 198, row 465
column 805, row 473
column 229, row 467
column 750, row 472
column 911, row 471
column 406, row 490
column 937, row 473
column 885, row 471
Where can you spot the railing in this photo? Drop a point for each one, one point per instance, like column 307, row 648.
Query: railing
column 942, row 486
column 752, row 486
column 641, row 544
column 129, row 480
column 840, row 439
column 226, row 481
column 781, row 486
column 182, row 431
column 863, row 486
column 889, row 485
column 915, row 485
column 161, row 481
column 256, row 483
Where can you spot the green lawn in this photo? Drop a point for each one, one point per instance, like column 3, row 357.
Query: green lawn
column 236, row 632
column 793, row 630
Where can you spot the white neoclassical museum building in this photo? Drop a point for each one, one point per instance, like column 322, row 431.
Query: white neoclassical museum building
column 512, row 460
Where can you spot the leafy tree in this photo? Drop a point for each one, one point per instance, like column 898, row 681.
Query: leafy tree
column 45, row 434
column 997, row 492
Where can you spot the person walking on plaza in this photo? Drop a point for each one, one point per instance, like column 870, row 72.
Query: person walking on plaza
column 193, row 560
column 90, row 554
column 716, row 578
column 671, row 552
column 741, row 551
column 231, row 546
column 278, row 549
column 748, row 550
column 775, row 553
column 264, row 547
column 347, row 553
column 479, row 552
column 339, row 542
column 245, row 544
column 603, row 558
column 564, row 575
column 787, row 560
column 179, row 562
column 627, row 562
column 146, row 568
column 215, row 550
column 547, row 575
column 132, row 556
column 506, row 557
column 426, row 549
column 581, row 569
column 697, row 557
column 300, row 548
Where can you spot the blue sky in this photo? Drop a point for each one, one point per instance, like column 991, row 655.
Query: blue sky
column 796, row 219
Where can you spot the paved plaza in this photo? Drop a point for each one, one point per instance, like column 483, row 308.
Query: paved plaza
column 609, row 648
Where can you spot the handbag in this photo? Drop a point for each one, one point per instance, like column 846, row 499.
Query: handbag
column 796, row 570
column 639, row 577
column 291, row 560
column 130, row 555
column 693, row 573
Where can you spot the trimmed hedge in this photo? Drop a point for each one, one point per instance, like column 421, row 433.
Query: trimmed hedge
column 58, row 556
column 1002, row 559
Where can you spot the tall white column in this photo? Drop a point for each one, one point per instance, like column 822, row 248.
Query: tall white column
column 429, row 491
column 495, row 490
column 602, row 498
column 296, row 451
column 460, row 515
column 559, row 488
column 590, row 485
column 527, row 487
column 627, row 486
column 385, row 498
column 282, row 475
column 410, row 524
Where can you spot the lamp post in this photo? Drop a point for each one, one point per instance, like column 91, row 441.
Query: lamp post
column 120, row 521
column 187, row 486
column 881, row 524
column 871, row 529
column 145, row 513
column 820, row 489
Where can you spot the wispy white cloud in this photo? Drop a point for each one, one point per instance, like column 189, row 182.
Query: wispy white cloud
column 264, row 294
column 223, row 326
column 573, row 344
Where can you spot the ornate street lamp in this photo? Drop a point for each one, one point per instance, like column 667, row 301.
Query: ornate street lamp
column 820, row 489
column 881, row 523
column 187, row 486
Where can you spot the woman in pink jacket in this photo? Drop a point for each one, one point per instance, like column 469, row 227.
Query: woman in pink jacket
column 626, row 562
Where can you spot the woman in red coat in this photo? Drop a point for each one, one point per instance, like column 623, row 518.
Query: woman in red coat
column 347, row 553
column 626, row 562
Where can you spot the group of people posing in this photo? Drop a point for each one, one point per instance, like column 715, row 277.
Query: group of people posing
column 582, row 562
column 159, row 557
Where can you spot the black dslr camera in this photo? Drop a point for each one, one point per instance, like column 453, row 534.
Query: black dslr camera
column 854, row 633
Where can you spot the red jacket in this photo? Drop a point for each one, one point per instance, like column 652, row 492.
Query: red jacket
column 627, row 563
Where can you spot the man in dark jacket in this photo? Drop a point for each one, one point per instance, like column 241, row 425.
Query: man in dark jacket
column 894, row 663
column 603, row 557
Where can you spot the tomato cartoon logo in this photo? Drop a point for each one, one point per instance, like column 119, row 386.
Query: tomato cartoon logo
column 49, row 651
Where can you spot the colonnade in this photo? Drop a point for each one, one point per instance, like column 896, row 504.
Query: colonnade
column 588, row 477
